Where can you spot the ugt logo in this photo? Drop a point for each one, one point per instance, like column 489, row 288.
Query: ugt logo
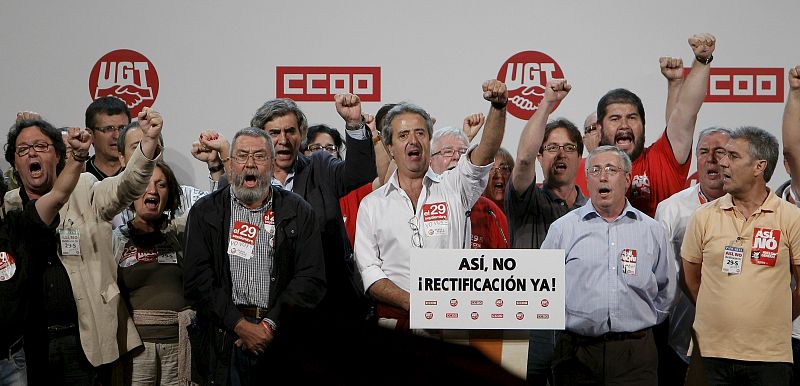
column 526, row 74
column 127, row 75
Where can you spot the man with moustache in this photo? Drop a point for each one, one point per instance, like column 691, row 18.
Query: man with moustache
column 418, row 208
column 620, row 277
column 253, row 260
column 674, row 213
column 489, row 224
column 322, row 180
column 531, row 209
column 105, row 118
column 739, row 254
column 661, row 169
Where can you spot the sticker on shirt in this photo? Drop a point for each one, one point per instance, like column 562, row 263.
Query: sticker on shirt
column 732, row 260
column 640, row 186
column 7, row 266
column 166, row 256
column 765, row 246
column 435, row 219
column 242, row 240
column 70, row 241
column 269, row 226
column 628, row 259
column 132, row 255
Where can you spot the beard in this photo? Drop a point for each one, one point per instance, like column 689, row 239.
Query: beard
column 252, row 195
column 638, row 145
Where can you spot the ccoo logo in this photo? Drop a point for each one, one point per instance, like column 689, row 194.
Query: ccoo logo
column 526, row 74
column 127, row 75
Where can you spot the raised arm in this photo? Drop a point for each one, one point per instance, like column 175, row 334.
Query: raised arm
column 791, row 126
column 358, row 167
column 48, row 205
column 495, row 92
column 680, row 127
column 212, row 148
column 530, row 141
column 472, row 125
column 672, row 69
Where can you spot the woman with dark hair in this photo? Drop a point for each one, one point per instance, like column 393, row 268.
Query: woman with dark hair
column 149, row 252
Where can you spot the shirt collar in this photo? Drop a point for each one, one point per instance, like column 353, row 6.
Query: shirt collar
column 394, row 183
column 587, row 211
column 266, row 205
column 769, row 205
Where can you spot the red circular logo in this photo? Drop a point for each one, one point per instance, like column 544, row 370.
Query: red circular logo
column 545, row 303
column 520, row 316
column 526, row 74
column 474, row 315
column 453, row 302
column 498, row 302
column 429, row 315
column 127, row 75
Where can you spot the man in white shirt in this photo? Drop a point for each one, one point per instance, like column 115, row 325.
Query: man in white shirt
column 418, row 208
column 674, row 213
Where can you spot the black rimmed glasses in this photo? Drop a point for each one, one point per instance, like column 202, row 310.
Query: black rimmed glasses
column 416, row 237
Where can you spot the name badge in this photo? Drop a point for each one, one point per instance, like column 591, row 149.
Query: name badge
column 765, row 246
column 242, row 239
column 70, row 241
column 435, row 219
column 168, row 258
column 628, row 260
column 732, row 260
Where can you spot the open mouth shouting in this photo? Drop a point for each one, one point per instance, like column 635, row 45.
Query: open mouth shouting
column 604, row 192
column 624, row 140
column 35, row 169
column 151, row 201
column 250, row 180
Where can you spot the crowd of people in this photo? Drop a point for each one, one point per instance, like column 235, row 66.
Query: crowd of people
column 112, row 272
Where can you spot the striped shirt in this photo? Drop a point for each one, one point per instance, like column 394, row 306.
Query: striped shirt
column 620, row 275
column 251, row 277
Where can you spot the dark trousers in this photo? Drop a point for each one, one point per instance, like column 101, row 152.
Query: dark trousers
column 796, row 365
column 540, row 357
column 614, row 359
column 734, row 372
column 67, row 364
column 246, row 367
column 671, row 367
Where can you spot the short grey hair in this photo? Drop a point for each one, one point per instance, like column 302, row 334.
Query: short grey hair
column 448, row 131
column 763, row 146
column 403, row 108
column 709, row 131
column 275, row 108
column 623, row 157
column 257, row 133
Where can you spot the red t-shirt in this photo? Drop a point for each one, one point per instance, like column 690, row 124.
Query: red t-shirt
column 349, row 205
column 486, row 228
column 656, row 175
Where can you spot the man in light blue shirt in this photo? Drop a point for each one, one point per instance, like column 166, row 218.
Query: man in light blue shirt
column 620, row 279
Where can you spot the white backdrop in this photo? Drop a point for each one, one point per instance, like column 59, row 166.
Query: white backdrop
column 216, row 60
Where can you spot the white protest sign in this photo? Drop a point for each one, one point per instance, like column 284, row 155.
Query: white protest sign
column 487, row 289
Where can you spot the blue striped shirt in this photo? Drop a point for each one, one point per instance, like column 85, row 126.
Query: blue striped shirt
column 600, row 296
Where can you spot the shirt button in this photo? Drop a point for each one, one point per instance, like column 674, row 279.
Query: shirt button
column 613, row 243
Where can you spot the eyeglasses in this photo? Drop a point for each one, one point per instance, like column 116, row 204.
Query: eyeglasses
column 503, row 170
column 553, row 148
column 449, row 152
column 416, row 238
column 107, row 129
column 317, row 147
column 590, row 128
column 609, row 170
column 37, row 147
column 259, row 158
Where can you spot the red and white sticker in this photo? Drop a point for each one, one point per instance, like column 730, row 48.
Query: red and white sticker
column 243, row 239
column 127, row 75
column 435, row 219
column 7, row 266
column 526, row 74
column 628, row 259
column 765, row 246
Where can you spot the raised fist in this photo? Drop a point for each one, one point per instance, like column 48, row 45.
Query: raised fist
column 556, row 90
column 27, row 116
column 349, row 108
column 473, row 124
column 671, row 68
column 794, row 78
column 79, row 140
column 150, row 122
column 495, row 91
column 703, row 45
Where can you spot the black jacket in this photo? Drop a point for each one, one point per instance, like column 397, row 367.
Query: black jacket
column 297, row 277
